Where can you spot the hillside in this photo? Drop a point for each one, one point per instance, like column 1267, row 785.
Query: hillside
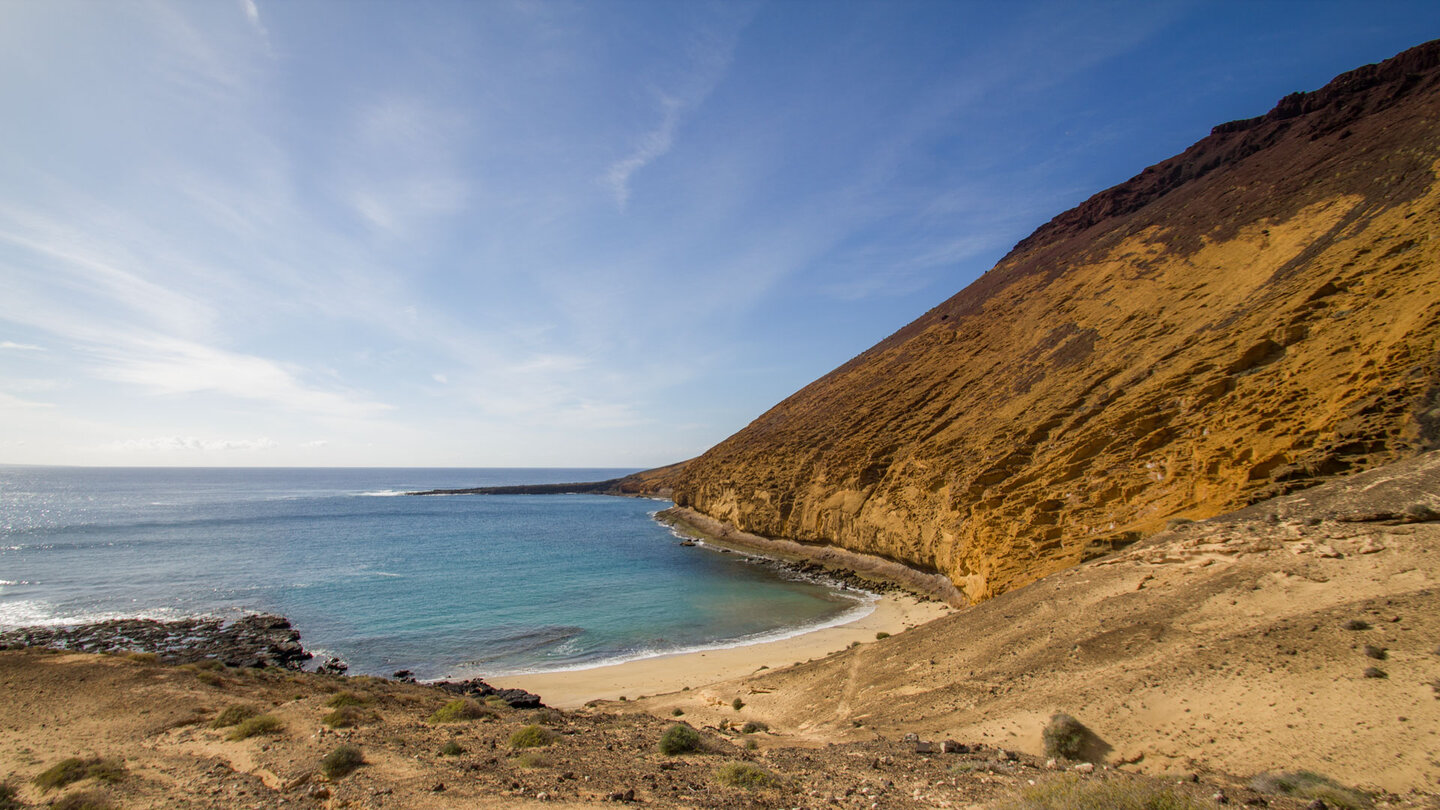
column 1250, row 317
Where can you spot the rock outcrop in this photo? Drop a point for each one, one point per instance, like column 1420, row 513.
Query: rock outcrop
column 1256, row 315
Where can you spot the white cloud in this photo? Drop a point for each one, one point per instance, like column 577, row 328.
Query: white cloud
column 170, row 444
column 171, row 366
column 652, row 145
column 20, row 347
column 440, row 378
column 315, row 445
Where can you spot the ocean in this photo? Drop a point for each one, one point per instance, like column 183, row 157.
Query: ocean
column 445, row 586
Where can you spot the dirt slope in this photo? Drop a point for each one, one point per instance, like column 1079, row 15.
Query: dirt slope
column 1255, row 315
column 1219, row 645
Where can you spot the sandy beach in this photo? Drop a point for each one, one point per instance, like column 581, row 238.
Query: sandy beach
column 893, row 614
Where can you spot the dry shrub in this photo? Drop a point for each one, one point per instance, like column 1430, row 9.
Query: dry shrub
column 1071, row 792
column 1064, row 736
column 255, row 726
column 74, row 769
column 532, row 737
column 1310, row 785
column 233, row 715
column 460, row 710
column 341, row 761
column 745, row 775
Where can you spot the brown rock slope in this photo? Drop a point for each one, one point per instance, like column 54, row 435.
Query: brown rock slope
column 1255, row 315
column 1300, row 633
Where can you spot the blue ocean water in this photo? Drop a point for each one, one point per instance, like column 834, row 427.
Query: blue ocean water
column 453, row 586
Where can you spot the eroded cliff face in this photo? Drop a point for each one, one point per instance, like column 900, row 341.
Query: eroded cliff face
column 1255, row 315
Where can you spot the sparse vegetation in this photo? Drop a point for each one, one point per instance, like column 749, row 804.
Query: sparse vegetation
column 84, row 800
column 745, row 775
column 209, row 677
column 881, row 634
column 459, row 711
column 753, row 726
column 677, row 712
column 139, row 657
column 341, row 761
column 349, row 717
column 532, row 759
column 679, row 739
column 452, row 749
column 1356, row 624
column 1071, row 792
column 1310, row 785
column 1064, row 736
column 75, row 769
column 8, row 798
column 1375, row 672
column 233, row 715
column 532, row 736
column 254, row 726
column 737, row 704
column 1378, row 653
column 340, row 700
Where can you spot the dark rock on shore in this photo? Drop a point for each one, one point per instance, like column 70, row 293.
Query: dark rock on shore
column 514, row 698
column 257, row 640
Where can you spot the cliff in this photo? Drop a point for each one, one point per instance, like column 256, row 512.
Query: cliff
column 1255, row 315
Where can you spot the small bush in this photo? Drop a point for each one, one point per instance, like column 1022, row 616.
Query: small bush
column 679, row 739
column 1064, row 736
column 677, row 712
column 254, row 726
column 745, row 775
column 532, row 759
column 737, row 704
column 9, row 800
column 1310, row 785
column 341, row 761
column 1378, row 653
column 349, row 717
column 1356, row 624
column 233, row 715
column 532, row 737
column 84, row 800
column 141, row 657
column 460, row 710
column 881, row 634
column 209, row 678
column 340, row 700
column 751, row 745
column 209, row 664
column 1374, row 672
column 1071, row 792
column 74, row 769
column 753, row 726
column 452, row 749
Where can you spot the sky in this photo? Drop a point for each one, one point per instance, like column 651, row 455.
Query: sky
column 510, row 233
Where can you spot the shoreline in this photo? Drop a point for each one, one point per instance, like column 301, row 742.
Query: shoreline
column 647, row 677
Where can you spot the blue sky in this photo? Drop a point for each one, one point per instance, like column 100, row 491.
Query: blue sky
column 243, row 232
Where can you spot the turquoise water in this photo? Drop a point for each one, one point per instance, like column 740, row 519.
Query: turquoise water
column 452, row 586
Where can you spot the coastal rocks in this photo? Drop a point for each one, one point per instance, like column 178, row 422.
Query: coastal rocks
column 514, row 698
column 257, row 640
column 1247, row 319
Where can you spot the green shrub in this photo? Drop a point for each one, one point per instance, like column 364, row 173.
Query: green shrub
column 74, row 769
column 1356, row 624
column 753, row 726
column 1071, row 792
column 254, row 726
column 209, row 664
column 452, row 749
column 679, row 739
column 1064, row 736
column 209, row 677
column 233, row 715
column 141, row 657
column 745, row 775
column 340, row 700
column 751, row 745
column 9, row 800
column 532, row 759
column 349, row 717
column 737, row 704
column 84, row 800
column 341, row 761
column 532, row 736
column 881, row 634
column 460, row 710
column 677, row 712
column 1310, row 785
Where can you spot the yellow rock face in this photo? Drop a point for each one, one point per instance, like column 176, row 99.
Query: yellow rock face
column 1255, row 315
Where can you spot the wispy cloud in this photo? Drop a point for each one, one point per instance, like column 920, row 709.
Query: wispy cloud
column 20, row 347
column 171, row 444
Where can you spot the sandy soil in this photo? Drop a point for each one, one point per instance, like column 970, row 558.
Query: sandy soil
column 567, row 690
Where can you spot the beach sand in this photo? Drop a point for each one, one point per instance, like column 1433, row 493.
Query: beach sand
column 652, row 676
